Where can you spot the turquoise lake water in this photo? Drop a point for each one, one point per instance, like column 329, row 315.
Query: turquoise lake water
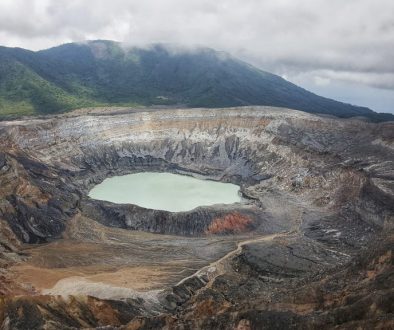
column 165, row 191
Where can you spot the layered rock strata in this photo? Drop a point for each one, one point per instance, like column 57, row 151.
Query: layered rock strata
column 309, row 246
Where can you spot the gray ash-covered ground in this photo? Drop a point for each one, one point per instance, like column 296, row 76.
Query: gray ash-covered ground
column 310, row 247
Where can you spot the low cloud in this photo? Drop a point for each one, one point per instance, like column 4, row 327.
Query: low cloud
column 378, row 80
column 348, row 40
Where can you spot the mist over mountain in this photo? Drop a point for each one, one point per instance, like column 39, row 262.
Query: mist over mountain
column 97, row 73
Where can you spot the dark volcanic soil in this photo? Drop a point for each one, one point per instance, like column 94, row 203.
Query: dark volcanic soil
column 310, row 247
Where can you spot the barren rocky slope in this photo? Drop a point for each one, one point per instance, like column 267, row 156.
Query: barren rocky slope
column 309, row 247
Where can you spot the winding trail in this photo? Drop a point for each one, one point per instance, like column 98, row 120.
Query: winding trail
column 215, row 268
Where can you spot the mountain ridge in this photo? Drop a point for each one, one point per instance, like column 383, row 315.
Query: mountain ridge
column 104, row 73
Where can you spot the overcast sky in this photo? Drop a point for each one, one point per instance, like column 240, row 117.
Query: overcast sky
column 342, row 49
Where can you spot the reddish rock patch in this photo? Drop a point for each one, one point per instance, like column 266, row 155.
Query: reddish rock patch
column 231, row 223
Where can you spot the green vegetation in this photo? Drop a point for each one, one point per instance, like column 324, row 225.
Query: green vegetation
column 24, row 92
column 9, row 108
column 99, row 73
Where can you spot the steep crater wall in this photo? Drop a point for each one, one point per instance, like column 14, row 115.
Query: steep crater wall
column 49, row 165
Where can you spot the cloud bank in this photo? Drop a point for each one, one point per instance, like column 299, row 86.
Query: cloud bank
column 318, row 41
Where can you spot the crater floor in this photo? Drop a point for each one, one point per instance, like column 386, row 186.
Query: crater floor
column 310, row 246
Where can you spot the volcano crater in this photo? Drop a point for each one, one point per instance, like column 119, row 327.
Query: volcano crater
column 310, row 207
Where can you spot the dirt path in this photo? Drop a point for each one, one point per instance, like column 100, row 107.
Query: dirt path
column 216, row 268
